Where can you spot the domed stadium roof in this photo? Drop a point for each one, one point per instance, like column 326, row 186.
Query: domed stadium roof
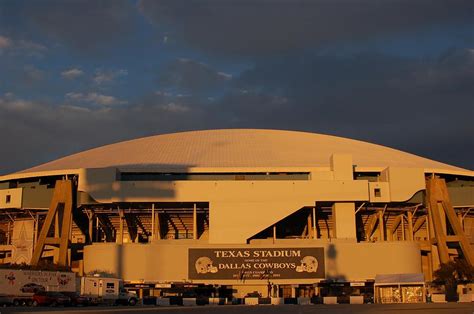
column 240, row 148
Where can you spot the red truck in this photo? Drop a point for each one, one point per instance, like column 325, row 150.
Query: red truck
column 50, row 298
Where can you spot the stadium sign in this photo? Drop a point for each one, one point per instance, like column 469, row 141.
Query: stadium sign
column 256, row 263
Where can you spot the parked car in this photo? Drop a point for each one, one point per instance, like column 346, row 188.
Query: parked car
column 32, row 288
column 77, row 299
column 254, row 294
column 50, row 298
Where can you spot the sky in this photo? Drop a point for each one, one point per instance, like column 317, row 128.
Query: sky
column 79, row 74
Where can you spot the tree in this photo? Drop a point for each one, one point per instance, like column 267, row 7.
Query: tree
column 42, row 265
column 101, row 273
column 453, row 273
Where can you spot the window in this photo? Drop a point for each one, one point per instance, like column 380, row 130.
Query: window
column 110, row 285
column 217, row 176
column 8, row 199
column 377, row 192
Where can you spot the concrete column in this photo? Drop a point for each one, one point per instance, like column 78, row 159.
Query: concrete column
column 314, row 223
column 343, row 216
column 381, row 226
column 435, row 260
column 461, row 220
column 91, row 228
column 56, row 225
column 390, row 234
column 429, row 225
column 274, row 233
column 341, row 165
column 157, row 226
column 97, row 228
column 121, row 217
column 195, row 231
column 36, row 229
column 8, row 232
column 152, row 223
column 430, row 266
column 309, row 226
column 442, row 215
column 402, row 225
column 410, row 226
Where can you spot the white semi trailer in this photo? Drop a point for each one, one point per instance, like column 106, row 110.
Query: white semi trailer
column 19, row 285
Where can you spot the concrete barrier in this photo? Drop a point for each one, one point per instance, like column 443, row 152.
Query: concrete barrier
column 236, row 301
column 330, row 300
column 438, row 298
column 251, row 301
column 317, row 300
column 304, row 301
column 464, row 298
column 163, row 301
column 176, row 300
column 277, row 301
column 217, row 301
column 359, row 299
column 149, row 300
column 264, row 301
column 291, row 301
column 189, row 301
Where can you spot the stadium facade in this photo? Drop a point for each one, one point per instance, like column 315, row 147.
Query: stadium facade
column 242, row 208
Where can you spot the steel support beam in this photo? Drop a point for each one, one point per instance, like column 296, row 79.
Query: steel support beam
column 60, row 210
column 440, row 207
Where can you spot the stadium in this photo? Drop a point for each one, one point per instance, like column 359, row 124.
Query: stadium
column 280, row 212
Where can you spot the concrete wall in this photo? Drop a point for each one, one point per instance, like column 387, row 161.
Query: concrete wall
column 11, row 198
column 38, row 197
column 167, row 260
column 237, row 209
column 240, row 209
column 404, row 182
column 343, row 215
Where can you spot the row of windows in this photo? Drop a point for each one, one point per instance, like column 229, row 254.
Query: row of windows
column 251, row 176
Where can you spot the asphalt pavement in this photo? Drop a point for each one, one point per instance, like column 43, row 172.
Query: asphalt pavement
column 446, row 308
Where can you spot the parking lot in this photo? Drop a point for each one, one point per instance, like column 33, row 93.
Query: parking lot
column 458, row 308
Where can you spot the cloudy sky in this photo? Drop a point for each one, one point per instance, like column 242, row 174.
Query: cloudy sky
column 80, row 74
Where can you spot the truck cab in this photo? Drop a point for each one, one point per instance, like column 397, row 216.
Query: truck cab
column 126, row 297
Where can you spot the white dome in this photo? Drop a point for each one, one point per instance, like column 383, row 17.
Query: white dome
column 239, row 148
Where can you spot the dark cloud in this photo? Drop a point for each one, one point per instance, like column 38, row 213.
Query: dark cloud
column 34, row 132
column 32, row 74
column 22, row 77
column 423, row 106
column 15, row 48
column 86, row 26
column 296, row 78
column 452, row 73
column 271, row 27
column 190, row 76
